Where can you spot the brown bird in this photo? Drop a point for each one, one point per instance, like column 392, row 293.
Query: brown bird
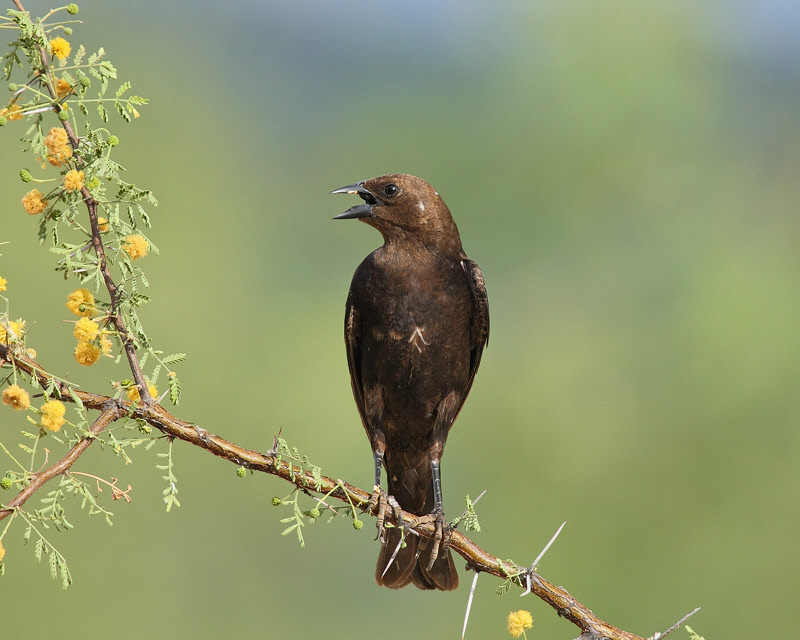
column 416, row 323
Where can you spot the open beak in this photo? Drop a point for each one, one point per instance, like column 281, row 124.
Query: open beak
column 360, row 210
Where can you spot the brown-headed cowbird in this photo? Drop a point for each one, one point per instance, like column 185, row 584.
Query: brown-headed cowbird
column 416, row 323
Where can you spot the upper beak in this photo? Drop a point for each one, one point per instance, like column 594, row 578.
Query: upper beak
column 361, row 210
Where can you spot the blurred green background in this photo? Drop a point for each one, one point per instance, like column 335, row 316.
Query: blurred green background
column 626, row 175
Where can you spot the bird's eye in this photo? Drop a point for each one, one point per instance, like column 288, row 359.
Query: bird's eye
column 391, row 189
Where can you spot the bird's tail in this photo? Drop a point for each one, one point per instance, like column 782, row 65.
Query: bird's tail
column 413, row 490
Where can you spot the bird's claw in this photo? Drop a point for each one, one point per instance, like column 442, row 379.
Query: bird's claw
column 380, row 504
column 441, row 537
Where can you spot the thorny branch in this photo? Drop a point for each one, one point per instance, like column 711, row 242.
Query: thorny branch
column 97, row 243
column 592, row 627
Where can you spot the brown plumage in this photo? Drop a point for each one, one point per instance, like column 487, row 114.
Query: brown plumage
column 416, row 323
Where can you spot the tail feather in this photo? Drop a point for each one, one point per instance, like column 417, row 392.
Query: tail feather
column 413, row 490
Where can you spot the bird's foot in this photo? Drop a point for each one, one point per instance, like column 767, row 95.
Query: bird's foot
column 441, row 537
column 380, row 504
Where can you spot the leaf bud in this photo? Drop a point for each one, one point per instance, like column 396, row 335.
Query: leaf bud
column 276, row 501
column 357, row 524
column 25, row 175
column 5, row 483
column 113, row 140
column 241, row 472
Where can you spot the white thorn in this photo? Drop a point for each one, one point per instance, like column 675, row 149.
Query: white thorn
column 547, row 546
column 469, row 602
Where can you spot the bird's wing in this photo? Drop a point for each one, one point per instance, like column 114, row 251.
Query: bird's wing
column 352, row 334
column 479, row 321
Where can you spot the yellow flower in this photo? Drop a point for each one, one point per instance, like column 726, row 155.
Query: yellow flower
column 63, row 86
column 135, row 246
column 105, row 345
column 3, row 283
column 2, row 552
column 16, row 397
column 11, row 113
column 73, row 181
column 86, row 353
column 31, row 353
column 34, row 202
column 58, row 148
column 518, row 621
column 102, row 225
column 81, row 302
column 53, row 415
column 133, row 393
column 86, row 330
column 60, row 48
column 13, row 331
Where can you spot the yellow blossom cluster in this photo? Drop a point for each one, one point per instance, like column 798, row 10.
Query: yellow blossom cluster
column 73, row 181
column 135, row 246
column 2, row 552
column 63, row 87
column 102, row 225
column 16, row 397
column 81, row 303
column 12, row 112
column 60, row 48
column 86, row 353
column 88, row 334
column 518, row 621
column 53, row 415
column 3, row 283
column 86, row 330
column 11, row 331
column 133, row 393
column 58, row 148
column 34, row 202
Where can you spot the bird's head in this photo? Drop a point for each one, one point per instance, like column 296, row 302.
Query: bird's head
column 404, row 208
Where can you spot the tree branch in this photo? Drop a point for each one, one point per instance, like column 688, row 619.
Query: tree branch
column 592, row 627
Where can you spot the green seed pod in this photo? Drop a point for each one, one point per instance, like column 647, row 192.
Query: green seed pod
column 3, row 121
column 63, row 115
column 72, row 9
column 314, row 513
column 5, row 483
column 357, row 524
column 276, row 501
column 67, row 31
column 13, row 87
column 25, row 175
column 241, row 472
column 113, row 141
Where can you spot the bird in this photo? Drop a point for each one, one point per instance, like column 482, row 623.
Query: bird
column 416, row 324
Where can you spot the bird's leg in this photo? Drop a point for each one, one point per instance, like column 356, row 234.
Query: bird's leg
column 443, row 532
column 378, row 501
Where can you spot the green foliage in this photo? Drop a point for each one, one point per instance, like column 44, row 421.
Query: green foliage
column 692, row 634
column 469, row 517
column 300, row 517
column 171, row 492
column 93, row 221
